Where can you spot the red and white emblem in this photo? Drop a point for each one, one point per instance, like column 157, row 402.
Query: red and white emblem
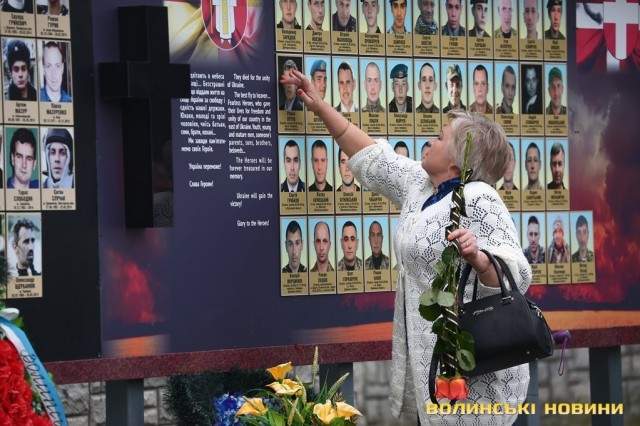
column 620, row 24
column 225, row 21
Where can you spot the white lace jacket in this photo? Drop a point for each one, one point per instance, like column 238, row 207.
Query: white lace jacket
column 418, row 244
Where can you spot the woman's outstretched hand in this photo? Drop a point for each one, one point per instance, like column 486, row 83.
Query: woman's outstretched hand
column 304, row 89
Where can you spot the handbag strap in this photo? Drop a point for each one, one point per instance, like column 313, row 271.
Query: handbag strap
column 464, row 277
column 507, row 271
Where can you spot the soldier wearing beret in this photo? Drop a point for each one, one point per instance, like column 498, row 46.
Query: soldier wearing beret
column 480, row 11
column 19, row 61
column 505, row 11
column 58, row 148
column 554, row 10
column 401, row 102
column 454, row 89
column 319, row 76
column 556, row 88
column 291, row 102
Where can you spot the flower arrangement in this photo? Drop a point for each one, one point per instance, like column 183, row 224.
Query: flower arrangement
column 27, row 394
column 440, row 305
column 293, row 403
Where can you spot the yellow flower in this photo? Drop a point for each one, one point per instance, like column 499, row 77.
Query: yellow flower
column 252, row 407
column 346, row 411
column 325, row 412
column 287, row 387
column 279, row 372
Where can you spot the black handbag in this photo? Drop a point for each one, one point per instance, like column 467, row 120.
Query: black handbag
column 508, row 329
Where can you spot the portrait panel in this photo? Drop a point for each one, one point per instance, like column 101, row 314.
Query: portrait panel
column 534, row 244
column 558, row 254
column 533, row 174
column 428, row 101
column 350, row 264
column 24, row 255
column 322, row 255
column 373, row 95
column 294, row 280
column 377, row 263
column 320, row 169
column 292, row 174
column 426, row 31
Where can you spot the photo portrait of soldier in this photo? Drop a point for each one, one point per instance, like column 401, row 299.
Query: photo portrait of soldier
column 398, row 15
column 288, row 9
column 505, row 9
column 481, row 17
column 480, row 79
column 318, row 74
column 558, row 250
column 373, row 88
column 289, row 100
column 401, row 148
column 531, row 19
column 427, row 87
column 17, row 6
column 323, row 247
column 426, row 21
column 582, row 235
column 58, row 157
column 556, row 90
column 346, row 175
column 349, row 243
column 508, row 87
column 54, row 87
column 534, row 252
column 454, row 85
column 508, row 179
column 370, row 13
column 455, row 14
column 342, row 20
column 532, row 163
column 401, row 101
column 294, row 245
column 25, row 242
column 23, row 154
column 531, row 89
column 320, row 162
column 317, row 13
column 554, row 13
column 346, row 88
column 19, row 70
column 557, row 166
column 53, row 8
column 291, row 161
column 378, row 260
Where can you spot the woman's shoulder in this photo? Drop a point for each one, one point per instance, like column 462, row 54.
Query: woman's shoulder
column 483, row 194
column 480, row 189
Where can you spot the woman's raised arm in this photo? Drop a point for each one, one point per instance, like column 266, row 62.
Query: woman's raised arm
column 350, row 138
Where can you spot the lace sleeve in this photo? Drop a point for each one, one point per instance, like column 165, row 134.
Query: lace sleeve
column 381, row 170
column 495, row 231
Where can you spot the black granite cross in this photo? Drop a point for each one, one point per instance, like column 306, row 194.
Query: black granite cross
column 145, row 81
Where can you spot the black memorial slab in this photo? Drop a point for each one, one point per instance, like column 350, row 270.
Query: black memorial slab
column 144, row 81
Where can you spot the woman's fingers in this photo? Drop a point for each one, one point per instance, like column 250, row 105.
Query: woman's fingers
column 305, row 98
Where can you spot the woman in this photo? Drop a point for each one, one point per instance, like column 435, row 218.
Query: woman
column 423, row 189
